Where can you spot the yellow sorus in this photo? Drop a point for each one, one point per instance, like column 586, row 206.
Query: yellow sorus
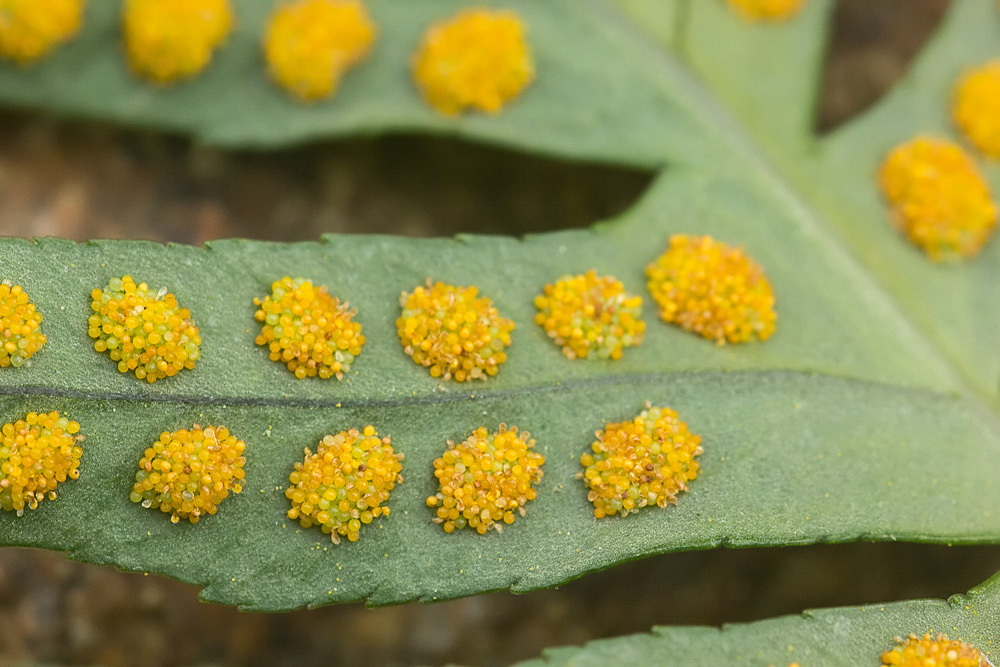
column 590, row 316
column 767, row 10
column 712, row 289
column 311, row 43
column 939, row 199
column 308, row 330
column 453, row 331
column 645, row 461
column 345, row 484
column 36, row 454
column 189, row 473
column 477, row 59
column 169, row 40
column 485, row 481
column 146, row 332
column 933, row 652
column 20, row 326
column 30, row 29
column 976, row 107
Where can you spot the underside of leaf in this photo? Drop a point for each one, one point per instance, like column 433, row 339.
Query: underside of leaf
column 869, row 414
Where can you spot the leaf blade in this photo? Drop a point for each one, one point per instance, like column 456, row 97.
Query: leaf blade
column 830, row 637
column 879, row 391
column 747, row 496
column 616, row 118
column 954, row 307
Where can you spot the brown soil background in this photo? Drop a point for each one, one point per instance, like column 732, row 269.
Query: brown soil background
column 87, row 180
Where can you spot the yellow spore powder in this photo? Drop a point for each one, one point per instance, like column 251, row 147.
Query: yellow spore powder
column 930, row 651
column 37, row 453
column 477, row 59
column 939, row 199
column 976, row 107
column 30, row 29
column 170, row 40
column 712, row 289
column 646, row 461
column 345, row 484
column 766, row 10
column 187, row 474
column 453, row 331
column 146, row 332
column 310, row 44
column 308, row 330
column 20, row 326
column 485, row 481
column 590, row 316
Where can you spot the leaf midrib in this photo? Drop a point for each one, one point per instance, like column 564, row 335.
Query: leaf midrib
column 446, row 397
column 720, row 122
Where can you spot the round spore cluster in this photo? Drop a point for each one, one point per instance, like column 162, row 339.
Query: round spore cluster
column 146, row 332
column 453, row 331
column 30, row 29
column 712, row 289
column 20, row 326
column 37, row 453
column 345, row 484
column 170, row 40
column 939, row 199
column 187, row 474
column 590, row 316
column 976, row 107
column 646, row 461
column 485, row 481
column 936, row 651
column 477, row 59
column 308, row 330
column 766, row 10
column 310, row 44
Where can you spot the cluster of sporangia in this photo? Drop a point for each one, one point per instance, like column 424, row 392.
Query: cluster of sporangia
column 20, row 326
column 145, row 331
column 938, row 196
column 478, row 59
column 486, row 481
column 188, row 473
column 933, row 651
column 308, row 330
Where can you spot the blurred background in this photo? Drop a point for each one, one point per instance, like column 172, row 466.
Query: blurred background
column 83, row 180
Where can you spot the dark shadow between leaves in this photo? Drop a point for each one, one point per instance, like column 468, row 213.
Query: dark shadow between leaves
column 53, row 610
column 86, row 180
column 873, row 44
